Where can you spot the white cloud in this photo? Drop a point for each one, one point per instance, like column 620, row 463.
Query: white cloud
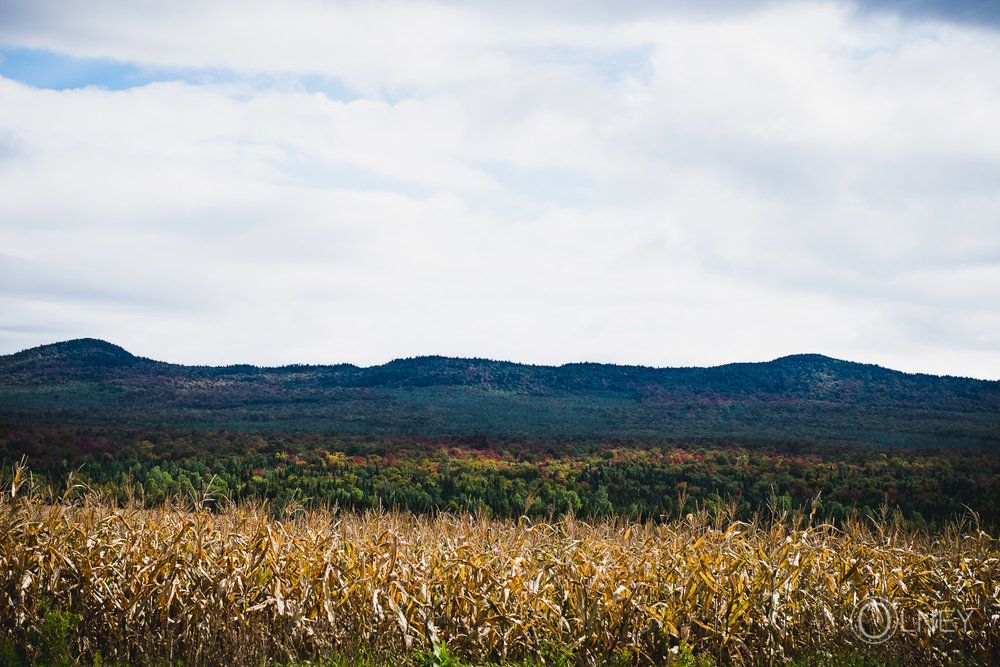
column 651, row 187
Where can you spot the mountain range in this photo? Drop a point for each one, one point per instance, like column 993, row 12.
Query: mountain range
column 806, row 398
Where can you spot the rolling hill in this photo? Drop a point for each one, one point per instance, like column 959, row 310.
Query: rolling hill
column 801, row 398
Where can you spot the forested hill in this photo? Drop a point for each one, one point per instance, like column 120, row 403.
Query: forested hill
column 802, row 398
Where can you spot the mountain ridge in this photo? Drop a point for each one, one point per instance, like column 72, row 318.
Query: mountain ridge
column 802, row 397
column 96, row 348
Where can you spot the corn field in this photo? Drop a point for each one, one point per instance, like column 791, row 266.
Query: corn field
column 237, row 586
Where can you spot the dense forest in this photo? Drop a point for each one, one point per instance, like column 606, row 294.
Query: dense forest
column 803, row 434
column 512, row 477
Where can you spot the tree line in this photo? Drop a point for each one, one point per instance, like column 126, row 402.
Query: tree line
column 510, row 477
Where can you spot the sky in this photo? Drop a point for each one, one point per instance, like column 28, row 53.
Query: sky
column 655, row 183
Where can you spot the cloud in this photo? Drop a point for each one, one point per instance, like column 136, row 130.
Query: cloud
column 657, row 185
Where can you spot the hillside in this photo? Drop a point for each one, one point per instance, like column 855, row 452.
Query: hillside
column 801, row 398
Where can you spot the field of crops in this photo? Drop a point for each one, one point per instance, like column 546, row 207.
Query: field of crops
column 92, row 582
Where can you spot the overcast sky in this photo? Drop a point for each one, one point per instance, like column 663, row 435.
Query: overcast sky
column 650, row 183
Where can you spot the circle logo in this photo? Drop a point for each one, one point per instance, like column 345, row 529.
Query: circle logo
column 874, row 621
